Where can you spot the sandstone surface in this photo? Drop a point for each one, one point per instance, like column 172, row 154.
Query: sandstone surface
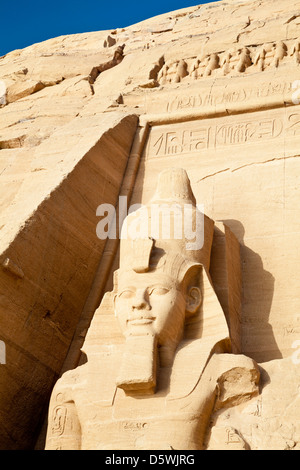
column 213, row 89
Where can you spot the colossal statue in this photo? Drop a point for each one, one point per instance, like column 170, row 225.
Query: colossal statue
column 159, row 358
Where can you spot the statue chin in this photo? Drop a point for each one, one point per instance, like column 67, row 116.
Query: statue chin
column 139, row 327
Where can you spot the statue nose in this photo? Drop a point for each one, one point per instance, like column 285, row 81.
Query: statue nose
column 140, row 301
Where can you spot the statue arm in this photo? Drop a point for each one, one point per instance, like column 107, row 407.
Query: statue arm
column 227, row 381
column 64, row 431
column 237, row 379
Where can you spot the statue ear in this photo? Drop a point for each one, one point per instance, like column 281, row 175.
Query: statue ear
column 193, row 291
column 193, row 300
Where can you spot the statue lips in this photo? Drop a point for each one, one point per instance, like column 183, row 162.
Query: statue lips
column 141, row 320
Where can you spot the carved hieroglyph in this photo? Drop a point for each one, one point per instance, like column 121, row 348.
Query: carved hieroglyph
column 168, row 365
column 213, row 89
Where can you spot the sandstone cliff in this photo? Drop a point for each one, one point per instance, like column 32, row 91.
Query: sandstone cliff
column 228, row 69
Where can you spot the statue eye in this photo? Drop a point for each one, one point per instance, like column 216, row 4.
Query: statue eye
column 159, row 291
column 126, row 294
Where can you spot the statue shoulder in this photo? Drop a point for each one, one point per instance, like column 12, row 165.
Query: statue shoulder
column 66, row 385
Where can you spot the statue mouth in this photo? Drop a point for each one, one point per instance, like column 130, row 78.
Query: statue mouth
column 141, row 321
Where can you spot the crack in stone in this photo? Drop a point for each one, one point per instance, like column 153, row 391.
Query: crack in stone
column 247, row 165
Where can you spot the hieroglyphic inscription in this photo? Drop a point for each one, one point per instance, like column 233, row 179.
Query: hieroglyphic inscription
column 232, row 436
column 228, row 95
column 59, row 420
column 213, row 134
column 195, row 96
column 181, row 141
column 247, row 131
column 293, row 127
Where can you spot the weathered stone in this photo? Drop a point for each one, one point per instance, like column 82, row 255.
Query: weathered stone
column 212, row 89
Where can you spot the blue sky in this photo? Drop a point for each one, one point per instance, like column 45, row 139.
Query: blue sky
column 23, row 23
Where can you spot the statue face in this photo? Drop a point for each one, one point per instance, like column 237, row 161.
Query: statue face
column 150, row 303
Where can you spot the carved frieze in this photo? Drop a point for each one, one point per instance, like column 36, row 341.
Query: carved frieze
column 233, row 62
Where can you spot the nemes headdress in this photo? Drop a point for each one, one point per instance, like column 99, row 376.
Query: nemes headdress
column 170, row 233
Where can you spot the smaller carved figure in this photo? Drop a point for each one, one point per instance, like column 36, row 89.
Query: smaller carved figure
column 213, row 64
column 162, row 76
column 195, row 69
column 296, row 51
column 225, row 63
column 280, row 51
column 181, row 71
column 156, row 68
column 172, row 71
column 244, row 60
column 203, row 64
column 260, row 58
